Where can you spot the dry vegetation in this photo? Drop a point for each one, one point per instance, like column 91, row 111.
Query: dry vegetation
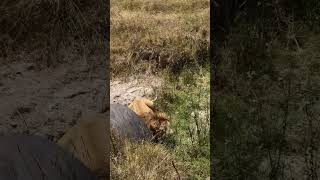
column 267, row 113
column 51, row 32
column 60, row 44
column 144, row 161
column 148, row 36
column 168, row 39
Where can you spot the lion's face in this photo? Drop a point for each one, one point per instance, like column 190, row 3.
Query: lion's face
column 159, row 124
column 157, row 121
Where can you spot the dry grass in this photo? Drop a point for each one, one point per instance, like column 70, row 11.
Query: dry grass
column 144, row 161
column 42, row 29
column 148, row 36
column 164, row 38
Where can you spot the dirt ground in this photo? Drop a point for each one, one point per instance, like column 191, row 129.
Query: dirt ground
column 123, row 91
column 47, row 101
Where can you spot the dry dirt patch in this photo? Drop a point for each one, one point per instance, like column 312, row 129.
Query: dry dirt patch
column 123, row 91
column 48, row 101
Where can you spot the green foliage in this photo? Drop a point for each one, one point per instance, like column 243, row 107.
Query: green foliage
column 186, row 101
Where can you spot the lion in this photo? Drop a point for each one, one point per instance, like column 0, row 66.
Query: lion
column 88, row 140
column 156, row 121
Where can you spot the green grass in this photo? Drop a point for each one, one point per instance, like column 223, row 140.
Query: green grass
column 187, row 103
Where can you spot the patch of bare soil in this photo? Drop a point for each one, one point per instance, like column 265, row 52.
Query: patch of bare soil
column 123, row 91
column 48, row 101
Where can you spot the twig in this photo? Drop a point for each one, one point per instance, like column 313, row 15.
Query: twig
column 176, row 170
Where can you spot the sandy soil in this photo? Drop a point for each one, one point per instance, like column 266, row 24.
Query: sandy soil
column 48, row 101
column 123, row 91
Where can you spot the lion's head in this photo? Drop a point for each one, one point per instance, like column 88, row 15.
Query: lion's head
column 157, row 121
column 159, row 124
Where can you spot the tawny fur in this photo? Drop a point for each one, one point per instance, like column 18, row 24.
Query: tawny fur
column 156, row 121
column 88, row 141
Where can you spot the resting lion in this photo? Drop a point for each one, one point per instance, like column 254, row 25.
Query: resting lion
column 156, row 121
column 88, row 140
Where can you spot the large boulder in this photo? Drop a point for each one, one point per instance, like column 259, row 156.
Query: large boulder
column 24, row 157
column 127, row 124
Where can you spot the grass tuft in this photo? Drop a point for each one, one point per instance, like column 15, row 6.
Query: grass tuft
column 142, row 161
